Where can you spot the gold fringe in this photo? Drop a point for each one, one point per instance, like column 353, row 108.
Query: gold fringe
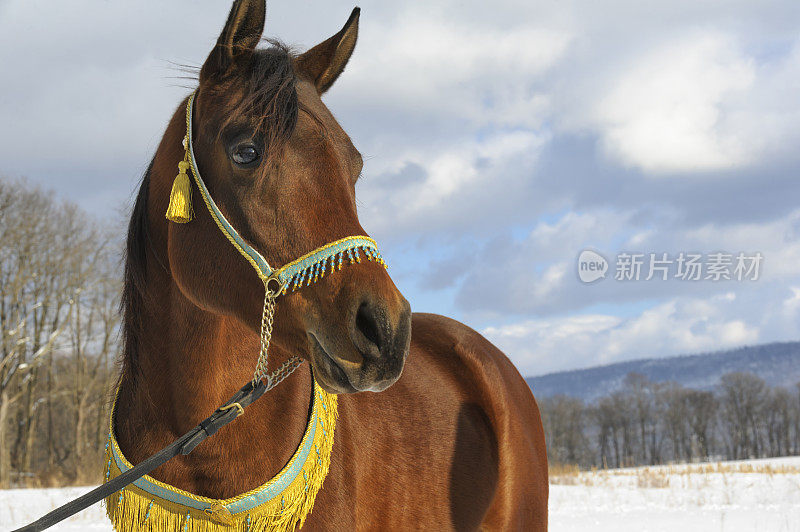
column 138, row 510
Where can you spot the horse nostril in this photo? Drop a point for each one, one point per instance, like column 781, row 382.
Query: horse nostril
column 366, row 325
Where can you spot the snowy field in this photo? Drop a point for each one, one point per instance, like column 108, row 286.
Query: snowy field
column 756, row 495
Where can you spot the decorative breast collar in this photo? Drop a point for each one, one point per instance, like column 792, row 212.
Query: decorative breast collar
column 281, row 504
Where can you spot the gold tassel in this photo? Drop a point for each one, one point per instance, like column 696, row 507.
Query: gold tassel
column 180, row 199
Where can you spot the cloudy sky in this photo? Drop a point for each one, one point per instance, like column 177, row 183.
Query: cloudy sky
column 500, row 141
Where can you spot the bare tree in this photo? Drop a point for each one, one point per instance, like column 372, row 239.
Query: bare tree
column 646, row 411
column 564, row 419
column 58, row 290
column 652, row 423
column 676, row 411
column 742, row 398
column 702, row 408
column 778, row 421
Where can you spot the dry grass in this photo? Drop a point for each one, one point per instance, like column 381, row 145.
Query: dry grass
column 659, row 476
column 652, row 478
column 556, row 469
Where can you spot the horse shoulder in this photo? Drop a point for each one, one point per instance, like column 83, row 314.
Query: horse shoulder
column 495, row 387
column 456, row 441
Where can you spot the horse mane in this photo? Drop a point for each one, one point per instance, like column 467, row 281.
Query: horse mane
column 271, row 98
column 135, row 278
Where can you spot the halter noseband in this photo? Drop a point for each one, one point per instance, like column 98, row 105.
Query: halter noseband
column 292, row 276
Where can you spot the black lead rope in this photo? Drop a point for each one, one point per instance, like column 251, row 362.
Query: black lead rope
column 183, row 445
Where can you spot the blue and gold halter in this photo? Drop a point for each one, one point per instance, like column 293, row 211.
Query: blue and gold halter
column 284, row 502
column 300, row 272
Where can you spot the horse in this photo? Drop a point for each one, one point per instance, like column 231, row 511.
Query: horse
column 435, row 428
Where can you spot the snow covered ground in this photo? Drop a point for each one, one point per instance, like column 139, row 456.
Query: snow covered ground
column 756, row 495
column 19, row 507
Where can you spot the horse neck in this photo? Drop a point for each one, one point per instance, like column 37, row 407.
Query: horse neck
column 189, row 361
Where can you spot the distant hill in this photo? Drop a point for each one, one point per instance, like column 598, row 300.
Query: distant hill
column 777, row 363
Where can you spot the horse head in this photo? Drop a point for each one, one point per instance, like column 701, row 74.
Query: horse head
column 283, row 172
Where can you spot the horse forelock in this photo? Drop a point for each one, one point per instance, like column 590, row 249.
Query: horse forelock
column 258, row 90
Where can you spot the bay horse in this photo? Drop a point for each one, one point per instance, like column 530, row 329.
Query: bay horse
column 436, row 428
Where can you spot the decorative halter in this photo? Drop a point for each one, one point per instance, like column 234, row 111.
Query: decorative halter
column 297, row 274
column 285, row 501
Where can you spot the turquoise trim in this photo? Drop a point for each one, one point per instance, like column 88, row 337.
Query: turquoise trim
column 274, row 488
column 312, row 265
column 323, row 254
column 259, row 261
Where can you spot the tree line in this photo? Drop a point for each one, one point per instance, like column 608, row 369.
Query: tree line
column 59, row 323
column 650, row 423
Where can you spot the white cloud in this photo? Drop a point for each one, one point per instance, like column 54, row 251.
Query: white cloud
column 782, row 315
column 777, row 240
column 565, row 236
column 666, row 112
column 433, row 63
column 792, row 303
column 678, row 326
column 452, row 190
column 768, row 116
column 528, row 286
column 693, row 102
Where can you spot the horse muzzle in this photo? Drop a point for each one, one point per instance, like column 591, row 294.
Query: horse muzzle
column 369, row 354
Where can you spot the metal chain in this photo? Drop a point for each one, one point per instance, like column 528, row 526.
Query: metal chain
column 286, row 369
column 267, row 316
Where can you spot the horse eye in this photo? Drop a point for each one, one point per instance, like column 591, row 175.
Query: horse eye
column 244, row 154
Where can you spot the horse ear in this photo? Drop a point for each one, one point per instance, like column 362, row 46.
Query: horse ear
column 241, row 33
column 323, row 63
